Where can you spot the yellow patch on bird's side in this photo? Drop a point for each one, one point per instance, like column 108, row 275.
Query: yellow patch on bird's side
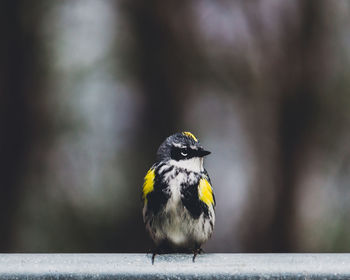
column 148, row 185
column 205, row 192
column 189, row 134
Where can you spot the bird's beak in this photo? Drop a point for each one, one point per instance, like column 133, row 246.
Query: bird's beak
column 202, row 153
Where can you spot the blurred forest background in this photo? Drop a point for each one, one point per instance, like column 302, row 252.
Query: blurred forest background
column 90, row 88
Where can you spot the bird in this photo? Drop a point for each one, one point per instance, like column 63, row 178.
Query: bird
column 178, row 198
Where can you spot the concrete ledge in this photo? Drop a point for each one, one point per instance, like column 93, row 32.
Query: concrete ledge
column 207, row 266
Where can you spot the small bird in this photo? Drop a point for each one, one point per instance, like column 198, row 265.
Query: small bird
column 178, row 199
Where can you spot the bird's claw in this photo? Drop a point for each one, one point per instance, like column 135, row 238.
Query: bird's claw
column 197, row 252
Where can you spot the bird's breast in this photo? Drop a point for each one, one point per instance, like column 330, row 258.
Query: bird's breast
column 176, row 184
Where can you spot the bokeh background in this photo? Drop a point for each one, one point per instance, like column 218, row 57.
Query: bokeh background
column 90, row 88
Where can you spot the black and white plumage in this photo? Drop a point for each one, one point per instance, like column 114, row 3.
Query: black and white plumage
column 179, row 204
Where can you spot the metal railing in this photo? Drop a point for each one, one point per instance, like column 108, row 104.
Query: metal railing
column 207, row 266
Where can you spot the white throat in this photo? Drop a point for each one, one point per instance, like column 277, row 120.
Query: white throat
column 193, row 164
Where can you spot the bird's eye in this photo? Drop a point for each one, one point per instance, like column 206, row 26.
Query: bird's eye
column 184, row 152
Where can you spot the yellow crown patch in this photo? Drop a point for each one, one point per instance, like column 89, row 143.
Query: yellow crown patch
column 189, row 134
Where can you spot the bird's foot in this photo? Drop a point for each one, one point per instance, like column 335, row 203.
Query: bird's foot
column 153, row 257
column 156, row 252
column 197, row 252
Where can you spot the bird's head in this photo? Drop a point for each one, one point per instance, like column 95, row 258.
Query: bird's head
column 182, row 150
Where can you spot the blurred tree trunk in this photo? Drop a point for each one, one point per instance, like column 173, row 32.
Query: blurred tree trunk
column 161, row 32
column 298, row 117
column 19, row 86
column 297, row 113
column 162, row 45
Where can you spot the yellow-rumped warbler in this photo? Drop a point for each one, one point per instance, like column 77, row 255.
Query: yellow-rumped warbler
column 179, row 203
